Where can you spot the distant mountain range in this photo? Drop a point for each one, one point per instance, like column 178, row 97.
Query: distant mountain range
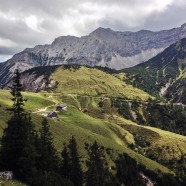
column 102, row 47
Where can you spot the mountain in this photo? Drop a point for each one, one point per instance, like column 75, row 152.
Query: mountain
column 102, row 47
column 164, row 75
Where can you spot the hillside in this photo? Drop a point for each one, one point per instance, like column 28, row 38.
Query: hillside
column 163, row 75
column 102, row 107
column 102, row 47
column 100, row 103
column 83, row 126
column 88, row 122
column 159, row 145
column 78, row 80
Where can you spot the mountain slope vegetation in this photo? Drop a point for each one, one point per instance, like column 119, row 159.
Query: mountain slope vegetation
column 163, row 75
column 79, row 80
column 111, row 131
column 85, row 128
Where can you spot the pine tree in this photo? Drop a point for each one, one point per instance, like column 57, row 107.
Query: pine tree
column 127, row 170
column 65, row 163
column 17, row 151
column 75, row 172
column 48, row 154
column 18, row 101
column 97, row 171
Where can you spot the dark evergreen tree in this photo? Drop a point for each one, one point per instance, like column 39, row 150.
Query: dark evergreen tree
column 65, row 163
column 48, row 160
column 168, row 180
column 97, row 171
column 17, row 98
column 127, row 170
column 17, row 151
column 50, row 179
column 75, row 172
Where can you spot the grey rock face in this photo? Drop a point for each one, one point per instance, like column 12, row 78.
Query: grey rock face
column 32, row 83
column 102, row 47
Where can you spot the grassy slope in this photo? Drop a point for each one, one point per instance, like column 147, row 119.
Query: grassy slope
column 33, row 102
column 79, row 81
column 85, row 128
column 164, row 146
column 11, row 182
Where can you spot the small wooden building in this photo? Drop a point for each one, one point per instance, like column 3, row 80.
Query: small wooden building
column 52, row 114
column 61, row 108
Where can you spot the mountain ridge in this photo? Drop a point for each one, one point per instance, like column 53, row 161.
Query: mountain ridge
column 102, row 47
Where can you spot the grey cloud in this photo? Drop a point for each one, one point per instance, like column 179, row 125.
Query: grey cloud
column 19, row 33
column 80, row 17
column 7, row 50
column 173, row 17
column 53, row 8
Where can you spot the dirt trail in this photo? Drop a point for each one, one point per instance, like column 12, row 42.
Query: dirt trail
column 43, row 109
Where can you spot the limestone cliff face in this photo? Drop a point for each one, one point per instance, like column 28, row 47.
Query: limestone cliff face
column 102, row 47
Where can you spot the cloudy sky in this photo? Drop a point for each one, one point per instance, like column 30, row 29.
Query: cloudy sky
column 26, row 23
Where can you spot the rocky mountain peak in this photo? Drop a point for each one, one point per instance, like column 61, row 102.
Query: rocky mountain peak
column 64, row 39
column 101, row 32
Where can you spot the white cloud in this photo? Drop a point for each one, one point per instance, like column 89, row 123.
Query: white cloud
column 33, row 22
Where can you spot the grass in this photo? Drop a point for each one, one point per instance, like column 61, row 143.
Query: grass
column 85, row 128
column 11, row 182
column 79, row 81
column 97, row 126
column 165, row 146
column 33, row 102
column 63, row 131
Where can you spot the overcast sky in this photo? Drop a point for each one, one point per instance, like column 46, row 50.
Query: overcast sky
column 26, row 23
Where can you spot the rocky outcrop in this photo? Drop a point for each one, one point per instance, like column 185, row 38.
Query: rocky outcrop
column 102, row 47
column 34, row 83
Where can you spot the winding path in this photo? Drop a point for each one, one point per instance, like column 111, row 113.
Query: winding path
column 43, row 109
